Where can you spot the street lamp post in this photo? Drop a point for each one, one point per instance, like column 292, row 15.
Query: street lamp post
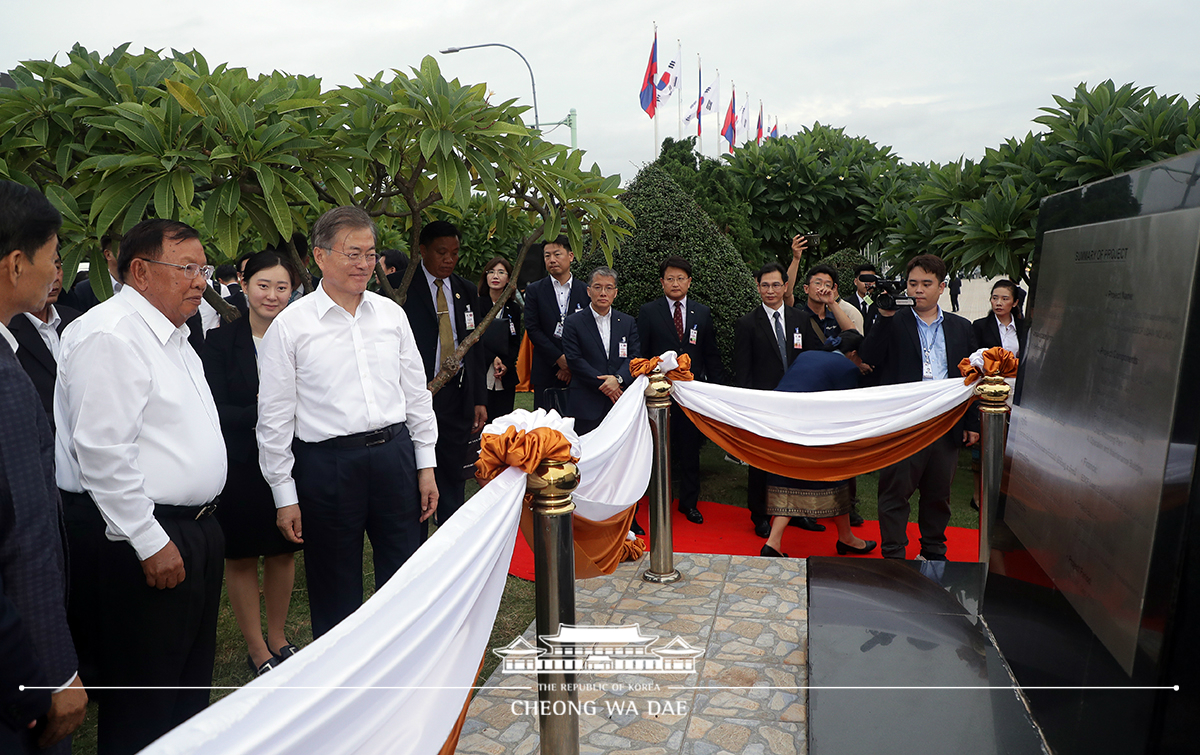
column 532, row 83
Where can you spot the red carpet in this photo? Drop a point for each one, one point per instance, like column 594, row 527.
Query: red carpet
column 727, row 529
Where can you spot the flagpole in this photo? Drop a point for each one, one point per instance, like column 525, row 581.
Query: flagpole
column 719, row 113
column 679, row 98
column 700, row 106
column 655, row 94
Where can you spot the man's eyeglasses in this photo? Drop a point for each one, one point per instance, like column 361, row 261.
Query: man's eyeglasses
column 674, row 280
column 603, row 289
column 354, row 257
column 771, row 286
column 190, row 270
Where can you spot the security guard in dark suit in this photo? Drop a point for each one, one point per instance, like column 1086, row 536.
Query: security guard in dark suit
column 683, row 325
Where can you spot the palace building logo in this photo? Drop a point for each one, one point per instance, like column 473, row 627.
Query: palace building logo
column 599, row 650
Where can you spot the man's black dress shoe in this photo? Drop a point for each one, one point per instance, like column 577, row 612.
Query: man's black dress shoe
column 843, row 549
column 636, row 528
column 693, row 515
column 806, row 523
column 763, row 529
column 936, row 557
column 856, row 519
column 769, row 551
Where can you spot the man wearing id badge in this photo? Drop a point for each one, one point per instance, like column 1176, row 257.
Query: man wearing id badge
column 443, row 309
column 598, row 343
column 767, row 340
column 908, row 345
column 548, row 303
column 677, row 322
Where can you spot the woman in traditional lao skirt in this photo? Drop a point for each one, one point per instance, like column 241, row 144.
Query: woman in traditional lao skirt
column 814, row 371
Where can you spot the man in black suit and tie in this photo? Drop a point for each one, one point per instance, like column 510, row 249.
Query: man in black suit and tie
column 82, row 296
column 862, row 298
column 907, row 346
column 548, row 302
column 598, row 343
column 766, row 342
column 685, row 326
column 35, row 643
column 443, row 309
column 37, row 335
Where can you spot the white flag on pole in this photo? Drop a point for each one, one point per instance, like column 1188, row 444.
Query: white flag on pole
column 668, row 81
column 705, row 105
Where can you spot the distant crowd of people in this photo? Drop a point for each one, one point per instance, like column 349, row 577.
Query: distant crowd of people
column 151, row 452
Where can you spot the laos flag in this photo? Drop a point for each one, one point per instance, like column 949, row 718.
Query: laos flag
column 729, row 130
column 649, row 91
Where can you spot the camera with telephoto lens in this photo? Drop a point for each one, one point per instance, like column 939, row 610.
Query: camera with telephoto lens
column 889, row 294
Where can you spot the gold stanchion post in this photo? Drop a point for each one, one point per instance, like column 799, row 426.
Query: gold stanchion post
column 554, row 591
column 993, row 392
column 662, row 545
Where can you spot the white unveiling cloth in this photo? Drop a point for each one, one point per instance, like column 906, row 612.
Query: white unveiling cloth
column 392, row 677
column 829, row 417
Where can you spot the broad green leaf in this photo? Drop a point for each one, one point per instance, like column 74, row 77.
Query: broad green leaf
column 186, row 97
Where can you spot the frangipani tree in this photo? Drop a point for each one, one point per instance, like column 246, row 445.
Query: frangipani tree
column 254, row 160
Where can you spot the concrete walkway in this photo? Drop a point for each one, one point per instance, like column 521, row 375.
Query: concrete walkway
column 749, row 615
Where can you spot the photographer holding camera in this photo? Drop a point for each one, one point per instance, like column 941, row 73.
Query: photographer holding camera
column 909, row 344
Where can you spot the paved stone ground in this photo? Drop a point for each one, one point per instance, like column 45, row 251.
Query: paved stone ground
column 750, row 616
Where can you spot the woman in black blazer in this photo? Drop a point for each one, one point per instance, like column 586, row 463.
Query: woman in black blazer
column 502, row 341
column 1006, row 312
column 247, row 509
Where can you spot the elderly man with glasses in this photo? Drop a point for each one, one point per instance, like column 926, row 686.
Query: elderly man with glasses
column 346, row 429
column 140, row 460
column 599, row 342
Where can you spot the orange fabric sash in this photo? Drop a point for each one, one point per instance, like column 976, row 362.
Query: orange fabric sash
column 639, row 367
column 996, row 361
column 525, row 365
column 826, row 463
column 599, row 546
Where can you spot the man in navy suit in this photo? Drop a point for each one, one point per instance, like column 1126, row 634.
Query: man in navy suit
column 598, row 343
column 683, row 325
column 908, row 346
column 766, row 342
column 443, row 309
column 548, row 302
column 35, row 643
column 82, row 296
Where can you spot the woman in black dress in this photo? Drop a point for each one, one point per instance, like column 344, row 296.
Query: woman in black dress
column 247, row 510
column 502, row 341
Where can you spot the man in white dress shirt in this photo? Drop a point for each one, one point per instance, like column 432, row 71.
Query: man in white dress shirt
column 140, row 440
column 346, row 430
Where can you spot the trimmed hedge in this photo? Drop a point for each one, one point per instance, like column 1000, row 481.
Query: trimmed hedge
column 669, row 222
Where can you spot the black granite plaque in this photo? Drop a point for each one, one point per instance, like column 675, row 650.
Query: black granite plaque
column 1095, row 603
column 1090, row 441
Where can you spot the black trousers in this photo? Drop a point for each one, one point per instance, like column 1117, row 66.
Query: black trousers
column 500, row 403
column 756, row 495
column 85, row 539
column 455, row 415
column 344, row 493
column 931, row 471
column 145, row 637
column 686, row 441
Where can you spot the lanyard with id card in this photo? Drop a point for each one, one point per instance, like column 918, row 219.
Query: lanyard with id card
column 622, row 349
column 693, row 335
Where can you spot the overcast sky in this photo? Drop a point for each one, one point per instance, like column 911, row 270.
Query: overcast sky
column 934, row 79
